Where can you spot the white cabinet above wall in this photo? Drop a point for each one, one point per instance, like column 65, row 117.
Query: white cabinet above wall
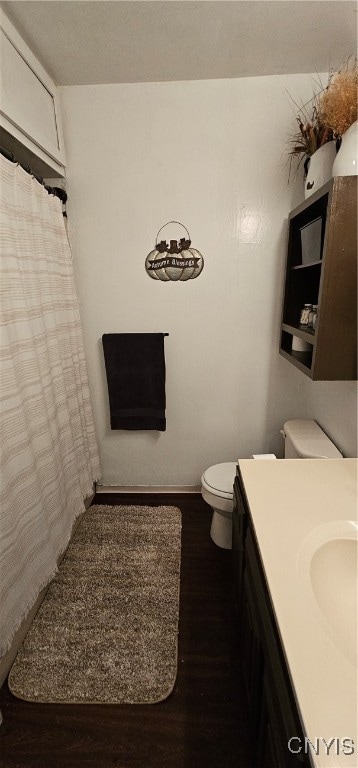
column 30, row 123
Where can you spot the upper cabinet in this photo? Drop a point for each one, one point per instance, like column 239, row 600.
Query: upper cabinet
column 29, row 109
column 321, row 270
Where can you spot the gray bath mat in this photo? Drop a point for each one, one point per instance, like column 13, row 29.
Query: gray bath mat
column 107, row 629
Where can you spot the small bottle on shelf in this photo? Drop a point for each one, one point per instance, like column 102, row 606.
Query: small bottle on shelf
column 304, row 317
column 310, row 316
column 314, row 316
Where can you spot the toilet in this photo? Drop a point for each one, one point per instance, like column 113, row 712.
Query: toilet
column 303, row 438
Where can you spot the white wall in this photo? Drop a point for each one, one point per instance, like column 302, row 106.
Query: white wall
column 334, row 405
column 210, row 154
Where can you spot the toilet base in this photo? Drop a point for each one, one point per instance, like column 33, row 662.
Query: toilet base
column 221, row 530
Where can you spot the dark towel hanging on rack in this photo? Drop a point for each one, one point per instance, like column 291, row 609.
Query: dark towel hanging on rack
column 135, row 367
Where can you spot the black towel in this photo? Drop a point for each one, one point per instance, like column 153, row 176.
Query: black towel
column 135, row 367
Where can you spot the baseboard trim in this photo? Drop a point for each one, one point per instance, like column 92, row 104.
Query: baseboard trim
column 135, row 489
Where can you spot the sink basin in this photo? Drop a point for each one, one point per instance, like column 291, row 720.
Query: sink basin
column 333, row 576
column 328, row 565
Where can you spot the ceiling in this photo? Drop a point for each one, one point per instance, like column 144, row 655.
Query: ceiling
column 80, row 42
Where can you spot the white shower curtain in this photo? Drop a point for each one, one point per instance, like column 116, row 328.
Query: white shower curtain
column 49, row 457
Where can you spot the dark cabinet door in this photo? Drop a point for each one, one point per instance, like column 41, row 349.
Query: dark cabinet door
column 277, row 699
column 270, row 750
column 252, row 655
column 239, row 518
column 273, row 745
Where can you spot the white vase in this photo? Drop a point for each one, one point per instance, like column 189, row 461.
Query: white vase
column 320, row 167
column 346, row 161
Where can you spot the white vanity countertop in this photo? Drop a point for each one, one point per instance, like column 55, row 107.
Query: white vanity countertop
column 297, row 506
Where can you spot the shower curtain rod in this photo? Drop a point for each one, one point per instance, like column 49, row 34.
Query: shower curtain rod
column 57, row 191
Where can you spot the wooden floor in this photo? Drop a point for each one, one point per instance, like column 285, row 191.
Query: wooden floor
column 203, row 724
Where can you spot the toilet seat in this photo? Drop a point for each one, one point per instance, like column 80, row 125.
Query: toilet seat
column 219, row 479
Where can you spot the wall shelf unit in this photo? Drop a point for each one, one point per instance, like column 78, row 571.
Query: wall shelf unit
column 30, row 120
column 321, row 269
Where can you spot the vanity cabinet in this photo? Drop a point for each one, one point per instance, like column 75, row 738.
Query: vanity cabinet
column 321, row 269
column 273, row 714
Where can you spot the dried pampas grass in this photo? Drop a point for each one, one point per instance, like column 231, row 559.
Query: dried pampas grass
column 338, row 103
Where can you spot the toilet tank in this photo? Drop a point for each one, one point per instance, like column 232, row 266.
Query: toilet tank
column 304, row 439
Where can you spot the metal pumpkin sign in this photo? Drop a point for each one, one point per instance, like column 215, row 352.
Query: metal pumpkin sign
column 177, row 261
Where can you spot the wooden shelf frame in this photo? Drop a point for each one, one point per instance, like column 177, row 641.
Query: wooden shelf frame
column 330, row 282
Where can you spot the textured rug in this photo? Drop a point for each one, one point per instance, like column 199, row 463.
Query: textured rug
column 107, row 629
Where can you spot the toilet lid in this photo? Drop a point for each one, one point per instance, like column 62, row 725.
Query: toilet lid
column 221, row 477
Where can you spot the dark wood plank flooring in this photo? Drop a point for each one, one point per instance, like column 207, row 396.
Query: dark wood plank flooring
column 202, row 724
